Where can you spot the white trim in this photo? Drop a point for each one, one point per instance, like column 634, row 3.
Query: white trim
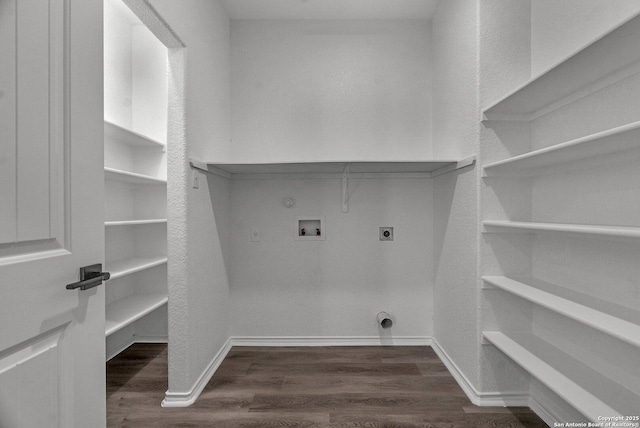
column 543, row 412
column 114, row 350
column 330, row 341
column 483, row 399
column 185, row 399
column 150, row 339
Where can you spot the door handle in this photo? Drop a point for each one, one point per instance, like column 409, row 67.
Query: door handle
column 90, row 276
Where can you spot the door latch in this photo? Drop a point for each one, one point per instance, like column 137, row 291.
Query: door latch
column 90, row 276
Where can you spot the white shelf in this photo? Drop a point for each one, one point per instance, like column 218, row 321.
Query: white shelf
column 131, row 177
column 123, row 135
column 121, row 268
column 617, row 327
column 134, row 222
column 611, row 231
column 429, row 168
column 615, row 140
column 607, row 60
column 123, row 312
column 582, row 387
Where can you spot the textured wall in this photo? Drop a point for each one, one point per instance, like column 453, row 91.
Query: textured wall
column 559, row 28
column 504, row 64
column 198, row 285
column 326, row 90
column 454, row 35
column 335, row 287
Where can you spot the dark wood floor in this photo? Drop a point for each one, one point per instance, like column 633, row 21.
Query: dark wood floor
column 304, row 387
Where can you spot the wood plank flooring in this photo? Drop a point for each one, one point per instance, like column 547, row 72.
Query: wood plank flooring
column 337, row 387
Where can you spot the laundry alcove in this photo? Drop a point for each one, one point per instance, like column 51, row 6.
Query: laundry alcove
column 499, row 146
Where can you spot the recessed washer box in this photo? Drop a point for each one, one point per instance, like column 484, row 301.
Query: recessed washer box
column 309, row 228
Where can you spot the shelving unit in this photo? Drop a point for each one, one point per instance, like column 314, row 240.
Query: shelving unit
column 581, row 386
column 114, row 132
column 135, row 222
column 136, row 106
column 532, row 290
column 126, row 267
column 136, row 225
column 131, row 177
column 523, row 226
column 616, row 140
column 608, row 60
column 428, row 168
column 124, row 312
column 546, row 270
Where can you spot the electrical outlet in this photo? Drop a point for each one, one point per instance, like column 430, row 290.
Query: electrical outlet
column 386, row 233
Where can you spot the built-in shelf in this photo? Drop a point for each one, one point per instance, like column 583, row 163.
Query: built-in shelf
column 615, row 140
column 609, row 59
column 118, row 133
column 531, row 290
column 121, row 268
column 134, row 222
column 521, row 226
column 584, row 388
column 429, row 168
column 131, row 177
column 123, row 312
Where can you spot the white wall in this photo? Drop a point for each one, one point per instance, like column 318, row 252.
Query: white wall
column 454, row 35
column 330, row 90
column 135, row 84
column 118, row 82
column 504, row 64
column 335, row 287
column 150, row 84
column 560, row 28
column 198, row 284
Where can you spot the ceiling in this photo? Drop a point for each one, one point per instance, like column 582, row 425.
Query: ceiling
column 330, row 9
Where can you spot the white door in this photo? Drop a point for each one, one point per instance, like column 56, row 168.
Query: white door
column 51, row 213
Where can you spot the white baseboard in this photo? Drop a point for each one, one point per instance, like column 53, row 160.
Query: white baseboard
column 185, row 399
column 546, row 414
column 114, row 350
column 150, row 339
column 484, row 399
column 330, row 341
column 494, row 399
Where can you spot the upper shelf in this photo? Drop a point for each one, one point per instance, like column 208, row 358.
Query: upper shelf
column 615, row 140
column 120, row 268
column 135, row 222
column 430, row 168
column 586, row 229
column 131, row 177
column 123, row 135
column 607, row 60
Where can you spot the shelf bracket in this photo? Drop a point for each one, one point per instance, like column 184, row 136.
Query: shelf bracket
column 201, row 166
column 345, row 187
